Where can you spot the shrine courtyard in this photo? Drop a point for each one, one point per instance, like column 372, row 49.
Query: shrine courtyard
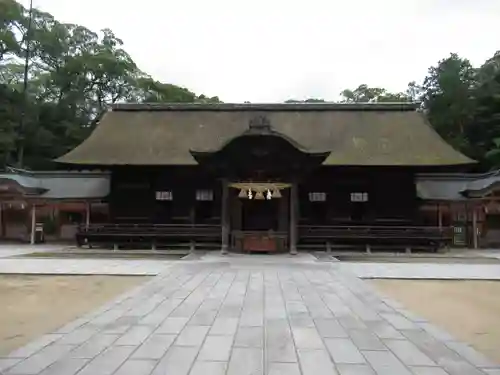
column 240, row 314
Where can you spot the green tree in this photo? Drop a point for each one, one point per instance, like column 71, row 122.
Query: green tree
column 447, row 99
column 361, row 94
column 10, row 20
column 414, row 92
column 365, row 94
column 10, row 101
column 483, row 131
column 206, row 99
column 310, row 100
column 74, row 75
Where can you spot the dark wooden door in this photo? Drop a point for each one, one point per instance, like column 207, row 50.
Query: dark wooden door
column 260, row 214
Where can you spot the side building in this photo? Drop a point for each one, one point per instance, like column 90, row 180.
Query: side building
column 57, row 201
column 467, row 202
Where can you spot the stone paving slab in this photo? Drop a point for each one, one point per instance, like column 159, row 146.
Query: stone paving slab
column 423, row 271
column 487, row 253
column 226, row 317
column 83, row 266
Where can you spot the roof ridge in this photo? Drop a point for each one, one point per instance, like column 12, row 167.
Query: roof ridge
column 326, row 106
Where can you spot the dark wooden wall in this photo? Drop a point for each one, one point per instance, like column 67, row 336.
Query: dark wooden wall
column 133, row 195
column 391, row 195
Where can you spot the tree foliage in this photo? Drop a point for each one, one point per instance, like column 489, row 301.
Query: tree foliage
column 461, row 102
column 447, row 98
column 74, row 75
column 365, row 94
column 310, row 100
column 483, row 131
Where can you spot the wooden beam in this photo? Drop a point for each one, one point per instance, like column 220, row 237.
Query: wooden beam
column 225, row 216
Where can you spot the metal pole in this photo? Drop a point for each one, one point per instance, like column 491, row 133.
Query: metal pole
column 20, row 151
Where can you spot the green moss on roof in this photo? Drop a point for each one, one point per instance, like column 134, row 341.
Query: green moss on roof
column 366, row 134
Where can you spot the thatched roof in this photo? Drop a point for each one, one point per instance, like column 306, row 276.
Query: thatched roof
column 354, row 134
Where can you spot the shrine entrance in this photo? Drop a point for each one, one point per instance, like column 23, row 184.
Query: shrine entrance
column 259, row 216
column 259, row 169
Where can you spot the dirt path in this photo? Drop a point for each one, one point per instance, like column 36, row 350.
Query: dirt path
column 469, row 310
column 34, row 305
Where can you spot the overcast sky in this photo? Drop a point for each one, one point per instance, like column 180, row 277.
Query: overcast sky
column 273, row 50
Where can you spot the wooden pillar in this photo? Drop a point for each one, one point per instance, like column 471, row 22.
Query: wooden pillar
column 283, row 212
column 293, row 218
column 467, row 227
column 192, row 220
column 87, row 214
column 440, row 216
column 1, row 221
column 55, row 216
column 236, row 210
column 474, row 227
column 225, row 216
column 283, row 225
column 33, row 224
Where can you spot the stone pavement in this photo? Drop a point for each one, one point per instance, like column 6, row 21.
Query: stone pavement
column 230, row 316
column 487, row 253
column 75, row 266
column 422, row 270
column 10, row 250
column 72, row 266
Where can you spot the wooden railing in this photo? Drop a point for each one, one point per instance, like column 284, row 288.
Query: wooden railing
column 153, row 234
column 404, row 236
column 365, row 235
